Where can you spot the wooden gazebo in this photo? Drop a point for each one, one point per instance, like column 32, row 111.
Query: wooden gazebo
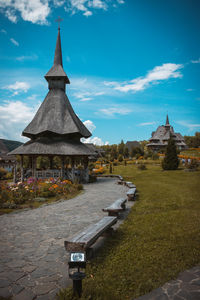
column 56, row 130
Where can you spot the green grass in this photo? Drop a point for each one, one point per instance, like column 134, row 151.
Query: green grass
column 159, row 239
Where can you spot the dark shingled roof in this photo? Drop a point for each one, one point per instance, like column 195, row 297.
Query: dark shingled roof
column 57, row 69
column 161, row 136
column 55, row 129
column 132, row 144
column 56, row 115
column 55, row 146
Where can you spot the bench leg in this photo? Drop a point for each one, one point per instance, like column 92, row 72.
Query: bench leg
column 108, row 232
column 113, row 214
column 89, row 253
column 124, row 206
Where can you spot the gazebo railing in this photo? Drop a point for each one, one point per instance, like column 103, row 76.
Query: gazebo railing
column 48, row 174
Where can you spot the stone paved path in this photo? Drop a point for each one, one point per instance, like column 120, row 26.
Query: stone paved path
column 33, row 261
column 185, row 287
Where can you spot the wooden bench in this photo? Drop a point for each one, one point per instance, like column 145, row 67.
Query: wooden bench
column 116, row 207
column 83, row 240
column 131, row 194
column 131, row 186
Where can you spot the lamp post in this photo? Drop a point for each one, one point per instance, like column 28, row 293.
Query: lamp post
column 77, row 265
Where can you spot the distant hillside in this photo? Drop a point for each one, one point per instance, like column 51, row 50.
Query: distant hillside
column 8, row 145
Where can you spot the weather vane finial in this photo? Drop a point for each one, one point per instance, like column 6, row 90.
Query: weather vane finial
column 58, row 21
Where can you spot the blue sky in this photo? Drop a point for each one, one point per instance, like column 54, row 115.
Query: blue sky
column 130, row 62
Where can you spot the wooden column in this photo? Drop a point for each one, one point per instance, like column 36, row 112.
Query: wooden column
column 73, row 169
column 22, row 167
column 34, row 166
column 62, row 167
column 51, row 162
column 86, row 171
column 15, row 172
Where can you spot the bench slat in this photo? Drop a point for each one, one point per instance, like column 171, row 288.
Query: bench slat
column 131, row 191
column 87, row 237
column 117, row 205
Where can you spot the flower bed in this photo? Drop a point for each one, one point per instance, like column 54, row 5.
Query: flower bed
column 13, row 196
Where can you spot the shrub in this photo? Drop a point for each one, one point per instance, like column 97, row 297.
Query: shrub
column 142, row 167
column 120, row 158
column 192, row 165
column 79, row 187
column 170, row 161
column 91, row 166
column 3, row 173
column 155, row 156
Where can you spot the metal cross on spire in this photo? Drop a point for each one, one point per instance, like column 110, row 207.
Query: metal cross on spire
column 58, row 21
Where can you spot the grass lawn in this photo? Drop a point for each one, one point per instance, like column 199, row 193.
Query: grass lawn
column 159, row 239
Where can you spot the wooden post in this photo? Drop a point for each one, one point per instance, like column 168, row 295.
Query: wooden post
column 22, row 168
column 51, row 162
column 34, row 166
column 73, row 170
column 62, row 167
column 15, row 172
column 85, row 162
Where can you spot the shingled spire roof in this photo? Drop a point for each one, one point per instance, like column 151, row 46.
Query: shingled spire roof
column 57, row 70
column 55, row 129
column 167, row 121
column 56, row 115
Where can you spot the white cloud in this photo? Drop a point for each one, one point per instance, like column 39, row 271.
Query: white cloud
column 18, row 86
column 188, row 125
column 112, row 111
column 87, row 13
column 94, row 140
column 3, row 31
column 10, row 14
column 85, row 6
column 35, row 11
column 196, row 61
column 110, row 83
column 97, row 4
column 14, row 42
column 190, row 90
column 154, row 76
column 86, row 90
column 90, row 125
column 14, row 117
column 147, row 123
column 58, row 2
column 28, row 57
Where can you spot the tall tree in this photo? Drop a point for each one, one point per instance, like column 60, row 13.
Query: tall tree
column 126, row 152
column 170, row 161
column 121, row 147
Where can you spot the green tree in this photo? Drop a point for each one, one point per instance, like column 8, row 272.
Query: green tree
column 193, row 141
column 121, row 148
column 120, row 157
column 126, row 152
column 170, row 161
column 114, row 152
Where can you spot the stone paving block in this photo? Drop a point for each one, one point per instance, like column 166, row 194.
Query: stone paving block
column 187, row 276
column 16, row 289
column 42, row 289
column 4, row 292
column 26, row 294
column 4, row 283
